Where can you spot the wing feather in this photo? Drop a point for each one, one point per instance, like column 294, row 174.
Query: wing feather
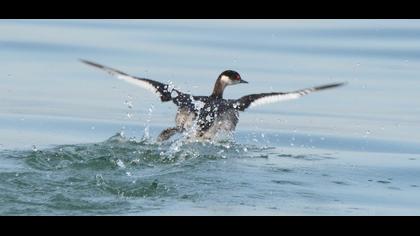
column 254, row 100
column 160, row 89
column 164, row 91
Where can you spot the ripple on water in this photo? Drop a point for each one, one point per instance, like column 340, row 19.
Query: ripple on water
column 306, row 157
column 103, row 177
column 340, row 183
column 288, row 182
column 121, row 188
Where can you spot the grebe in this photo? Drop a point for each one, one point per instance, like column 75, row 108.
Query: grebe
column 208, row 115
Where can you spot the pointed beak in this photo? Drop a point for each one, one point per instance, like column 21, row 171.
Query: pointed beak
column 243, row 81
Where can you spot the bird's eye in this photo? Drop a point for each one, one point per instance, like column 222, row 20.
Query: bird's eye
column 238, row 77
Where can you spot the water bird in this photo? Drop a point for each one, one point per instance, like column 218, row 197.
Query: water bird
column 207, row 115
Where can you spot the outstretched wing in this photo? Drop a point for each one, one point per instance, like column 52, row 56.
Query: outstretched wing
column 266, row 98
column 164, row 91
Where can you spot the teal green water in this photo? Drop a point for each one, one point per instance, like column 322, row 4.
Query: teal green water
column 122, row 176
column 74, row 141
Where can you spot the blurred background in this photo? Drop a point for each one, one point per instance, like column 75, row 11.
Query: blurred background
column 48, row 97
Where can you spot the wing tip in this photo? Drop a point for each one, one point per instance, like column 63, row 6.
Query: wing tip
column 333, row 85
column 106, row 68
column 90, row 63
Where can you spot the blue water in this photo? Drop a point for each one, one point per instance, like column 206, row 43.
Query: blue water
column 70, row 144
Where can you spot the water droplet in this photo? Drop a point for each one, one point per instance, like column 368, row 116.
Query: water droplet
column 174, row 94
column 34, row 149
column 128, row 103
column 128, row 173
column 120, row 163
column 135, row 161
column 99, row 179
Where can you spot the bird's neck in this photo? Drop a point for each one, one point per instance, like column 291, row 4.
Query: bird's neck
column 219, row 87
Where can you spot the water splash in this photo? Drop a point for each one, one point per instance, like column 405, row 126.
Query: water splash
column 146, row 135
column 129, row 103
column 120, row 164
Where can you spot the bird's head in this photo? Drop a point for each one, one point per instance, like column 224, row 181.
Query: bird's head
column 230, row 77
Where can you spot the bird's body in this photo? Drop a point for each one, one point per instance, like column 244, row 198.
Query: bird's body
column 207, row 116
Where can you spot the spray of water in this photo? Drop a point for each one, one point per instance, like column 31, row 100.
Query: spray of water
column 146, row 135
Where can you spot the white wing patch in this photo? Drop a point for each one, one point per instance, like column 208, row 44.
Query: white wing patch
column 280, row 97
column 137, row 82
